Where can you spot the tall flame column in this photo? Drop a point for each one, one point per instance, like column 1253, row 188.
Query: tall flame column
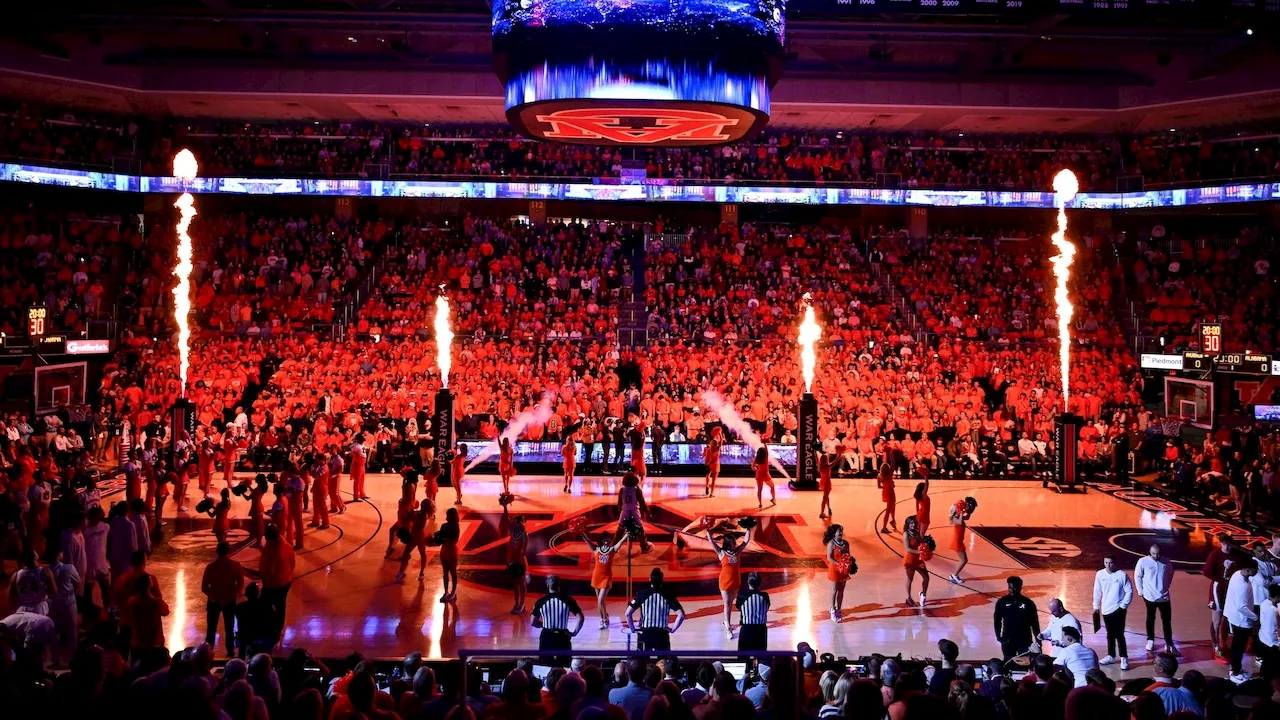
column 442, row 420
column 183, row 413
column 1066, row 426
column 807, row 440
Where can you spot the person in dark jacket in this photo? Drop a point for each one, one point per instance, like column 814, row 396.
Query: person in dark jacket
column 1016, row 620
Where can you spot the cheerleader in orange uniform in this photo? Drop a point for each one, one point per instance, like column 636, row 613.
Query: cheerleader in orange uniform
column 730, row 573
column 458, row 469
column 912, row 559
column 711, row 456
column 761, row 468
column 229, row 452
column 923, row 504
column 206, row 456
column 602, row 571
column 960, row 514
column 837, row 551
column 415, row 533
column 506, row 463
column 446, row 538
column 319, row 493
column 884, row 481
column 431, row 480
column 221, row 514
column 256, row 512
column 824, row 484
column 358, row 461
column 637, row 451
column 569, row 453
column 404, row 508
column 517, row 555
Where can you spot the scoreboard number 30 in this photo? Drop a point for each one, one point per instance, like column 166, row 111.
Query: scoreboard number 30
column 1211, row 338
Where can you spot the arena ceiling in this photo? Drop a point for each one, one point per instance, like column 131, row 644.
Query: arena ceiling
column 429, row 61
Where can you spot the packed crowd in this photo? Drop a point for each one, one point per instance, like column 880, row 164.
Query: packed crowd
column 354, row 149
column 1179, row 281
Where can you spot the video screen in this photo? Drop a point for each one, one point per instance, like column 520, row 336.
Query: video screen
column 707, row 21
column 1268, row 413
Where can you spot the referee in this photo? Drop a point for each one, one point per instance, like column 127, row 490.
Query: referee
column 655, row 605
column 753, row 616
column 551, row 614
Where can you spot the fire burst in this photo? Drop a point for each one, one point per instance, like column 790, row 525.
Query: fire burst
column 444, row 339
column 1066, row 186
column 184, row 168
column 810, row 331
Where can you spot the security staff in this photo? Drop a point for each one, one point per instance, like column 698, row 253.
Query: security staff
column 753, row 610
column 655, row 604
column 551, row 613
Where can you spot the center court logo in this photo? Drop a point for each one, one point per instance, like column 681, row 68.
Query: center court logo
column 639, row 126
column 1041, row 547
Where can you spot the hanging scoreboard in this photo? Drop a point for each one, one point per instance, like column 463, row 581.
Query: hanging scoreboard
column 1211, row 339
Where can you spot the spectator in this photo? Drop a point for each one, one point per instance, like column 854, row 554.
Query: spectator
column 634, row 697
column 1173, row 695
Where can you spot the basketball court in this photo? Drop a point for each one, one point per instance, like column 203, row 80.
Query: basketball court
column 345, row 595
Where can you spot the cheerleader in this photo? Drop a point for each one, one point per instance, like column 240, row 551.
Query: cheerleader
column 837, row 573
column 923, row 504
column 256, row 513
column 336, row 506
column 711, row 456
column 569, row 455
column 602, row 571
column 459, row 468
column 730, row 574
column 180, row 489
column 517, row 552
column 206, row 457
column 404, row 508
column 221, row 514
column 446, row 538
column 229, row 452
column 636, row 435
column 761, row 467
column 414, row 534
column 358, row 460
column 431, row 480
column 319, row 493
column 959, row 516
column 912, row 557
column 824, row 484
column 884, row 481
column 506, row 463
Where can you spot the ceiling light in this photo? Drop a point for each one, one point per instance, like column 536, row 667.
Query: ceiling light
column 351, row 39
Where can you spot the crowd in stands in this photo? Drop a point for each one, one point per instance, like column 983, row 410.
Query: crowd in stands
column 1178, row 281
column 59, row 135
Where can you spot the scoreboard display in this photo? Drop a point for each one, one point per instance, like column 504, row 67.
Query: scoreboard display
column 991, row 7
column 1243, row 363
column 1211, row 339
column 1196, row 362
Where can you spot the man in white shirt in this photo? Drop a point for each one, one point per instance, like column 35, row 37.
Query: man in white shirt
column 1074, row 656
column 1060, row 620
column 1238, row 610
column 1153, row 575
column 1269, row 624
column 1112, row 594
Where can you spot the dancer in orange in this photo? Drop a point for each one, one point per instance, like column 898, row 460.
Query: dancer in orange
column 569, row 455
column 256, row 512
column 837, row 552
column 415, row 536
column 206, row 457
column 319, row 494
column 912, row 545
column 358, row 459
column 506, row 463
column 730, row 574
column 336, row 506
column 884, row 481
column 637, row 451
column 602, row 571
column 221, row 514
column 960, row 514
column 824, row 484
column 517, row 556
column 459, row 469
column 230, row 450
column 446, row 538
column 431, row 480
column 923, row 504
column 294, row 490
column 711, row 456
column 404, row 508
column 180, row 488
column 761, row 468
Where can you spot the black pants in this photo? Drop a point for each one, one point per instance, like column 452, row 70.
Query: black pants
column 275, row 598
column 228, row 612
column 753, row 637
column 1166, row 620
column 1239, row 640
column 1010, row 648
column 1114, row 624
column 556, row 640
column 654, row 639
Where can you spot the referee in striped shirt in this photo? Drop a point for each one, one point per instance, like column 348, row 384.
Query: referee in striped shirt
column 655, row 604
column 551, row 613
column 753, row 616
